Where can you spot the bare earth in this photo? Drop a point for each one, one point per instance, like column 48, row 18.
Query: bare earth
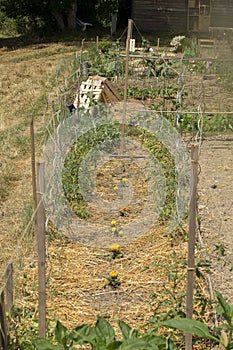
column 216, row 208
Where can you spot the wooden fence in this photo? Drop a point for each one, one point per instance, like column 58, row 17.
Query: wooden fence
column 6, row 302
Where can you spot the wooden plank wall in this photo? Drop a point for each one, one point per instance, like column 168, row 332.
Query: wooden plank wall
column 221, row 13
column 160, row 15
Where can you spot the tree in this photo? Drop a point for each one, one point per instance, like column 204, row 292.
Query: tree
column 33, row 15
column 64, row 11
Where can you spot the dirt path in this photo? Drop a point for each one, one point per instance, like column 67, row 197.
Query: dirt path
column 216, row 209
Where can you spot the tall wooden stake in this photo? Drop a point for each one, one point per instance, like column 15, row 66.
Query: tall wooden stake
column 3, row 326
column 129, row 35
column 9, row 285
column 191, row 242
column 33, row 167
column 41, row 251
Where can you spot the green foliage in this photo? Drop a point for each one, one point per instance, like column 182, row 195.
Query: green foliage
column 26, row 219
column 224, row 68
column 161, row 154
column 106, row 62
column 85, row 143
column 22, row 143
column 190, row 47
column 218, row 123
column 22, row 328
column 105, row 9
column 190, row 326
column 38, row 17
column 8, row 26
column 158, row 68
column 176, row 43
column 224, row 309
column 102, row 336
column 109, row 132
column 169, row 302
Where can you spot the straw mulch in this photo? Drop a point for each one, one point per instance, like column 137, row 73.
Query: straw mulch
column 78, row 290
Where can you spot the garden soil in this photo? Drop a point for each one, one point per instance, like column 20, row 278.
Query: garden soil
column 216, row 209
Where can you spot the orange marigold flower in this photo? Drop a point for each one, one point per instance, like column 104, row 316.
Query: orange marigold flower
column 115, row 248
column 113, row 274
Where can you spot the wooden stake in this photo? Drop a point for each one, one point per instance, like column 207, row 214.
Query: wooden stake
column 129, row 35
column 41, row 251
column 33, row 169
column 97, row 43
column 3, row 327
column 9, row 285
column 191, row 242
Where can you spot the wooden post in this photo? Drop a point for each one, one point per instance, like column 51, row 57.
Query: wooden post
column 33, row 169
column 97, row 43
column 3, row 328
column 41, row 251
column 129, row 35
column 191, row 241
column 9, row 285
column 114, row 24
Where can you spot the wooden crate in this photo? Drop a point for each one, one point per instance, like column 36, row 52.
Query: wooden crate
column 96, row 89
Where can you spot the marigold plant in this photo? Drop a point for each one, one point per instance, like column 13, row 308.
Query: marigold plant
column 115, row 250
column 113, row 274
column 113, row 279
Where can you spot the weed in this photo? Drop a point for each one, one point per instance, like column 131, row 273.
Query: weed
column 170, row 301
column 22, row 143
column 26, row 218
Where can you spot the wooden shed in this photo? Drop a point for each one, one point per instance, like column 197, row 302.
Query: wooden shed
column 182, row 16
column 160, row 15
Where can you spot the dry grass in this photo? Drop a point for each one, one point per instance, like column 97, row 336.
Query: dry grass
column 26, row 79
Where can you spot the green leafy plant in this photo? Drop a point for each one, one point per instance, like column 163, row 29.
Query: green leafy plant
column 176, row 43
column 74, row 158
column 102, row 336
column 198, row 328
column 169, row 302
column 23, row 327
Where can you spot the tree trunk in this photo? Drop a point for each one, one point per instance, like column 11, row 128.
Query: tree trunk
column 71, row 18
column 59, row 18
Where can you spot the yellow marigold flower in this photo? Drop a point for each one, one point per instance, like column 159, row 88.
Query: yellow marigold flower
column 115, row 188
column 115, row 248
column 107, row 230
column 113, row 229
column 124, row 179
column 121, row 232
column 113, row 222
column 113, row 274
